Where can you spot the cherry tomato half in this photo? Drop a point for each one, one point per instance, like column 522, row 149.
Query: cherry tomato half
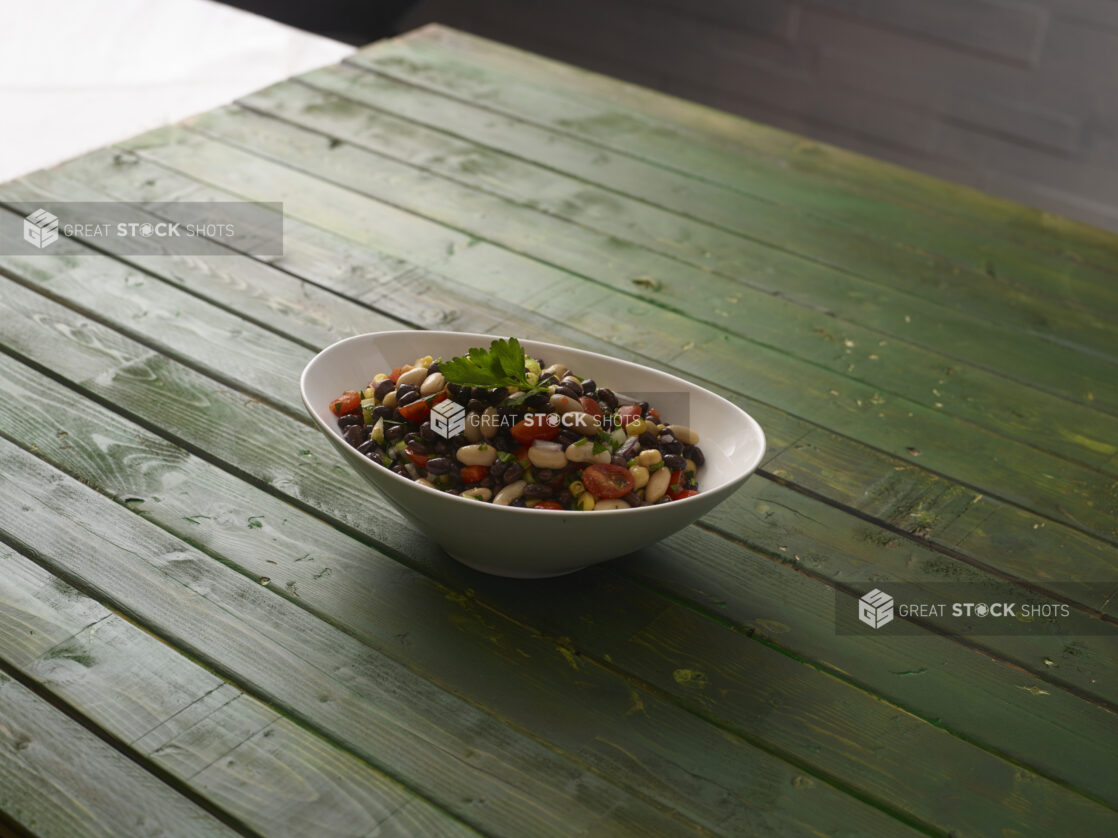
column 628, row 413
column 416, row 411
column 607, row 481
column 396, row 373
column 653, row 415
column 347, row 403
column 675, row 482
column 534, row 426
column 682, row 493
column 591, row 406
column 547, row 504
column 419, row 459
column 474, row 474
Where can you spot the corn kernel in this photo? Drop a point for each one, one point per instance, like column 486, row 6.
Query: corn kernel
column 379, row 377
column 636, row 427
column 585, row 502
column 576, row 488
column 369, row 393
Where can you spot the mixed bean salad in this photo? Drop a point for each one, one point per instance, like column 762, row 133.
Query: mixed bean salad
column 499, row 427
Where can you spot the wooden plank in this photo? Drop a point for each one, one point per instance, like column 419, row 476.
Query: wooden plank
column 995, row 466
column 1054, row 256
column 1063, row 738
column 687, row 764
column 740, row 270
column 58, row 779
column 762, row 322
column 906, row 497
column 263, row 770
column 465, row 761
column 959, row 294
column 847, row 733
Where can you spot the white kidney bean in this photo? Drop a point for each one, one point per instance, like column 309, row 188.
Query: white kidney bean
column 610, row 503
column 432, row 384
column 477, row 493
column 584, row 423
column 477, row 455
column 547, row 455
column 490, row 423
column 558, row 370
column 583, row 452
column 472, row 430
column 640, row 476
column 510, row 493
column 389, row 400
column 564, row 404
column 413, row 376
column 649, row 458
column 657, row 485
column 684, row 434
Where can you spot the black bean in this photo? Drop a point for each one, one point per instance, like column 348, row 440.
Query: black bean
column 504, row 442
column 384, row 388
column 607, row 397
column 355, row 434
column 486, row 482
column 536, row 401
column 476, row 405
column 564, row 498
column 497, row 469
column 518, row 502
column 695, row 455
column 438, row 465
column 462, row 397
column 545, row 475
column 458, row 440
column 497, row 395
column 348, row 420
column 418, row 446
column 382, row 411
column 407, row 398
column 428, row 433
column 441, row 446
column 572, row 384
column 399, row 469
column 368, row 446
column 568, row 437
column 647, row 440
column 434, row 368
column 547, row 378
column 563, row 390
column 513, row 473
column 588, row 386
column 633, row 499
column 411, row 436
column 394, row 433
column 404, row 389
column 674, row 461
column 671, row 445
column 537, row 490
column 644, row 409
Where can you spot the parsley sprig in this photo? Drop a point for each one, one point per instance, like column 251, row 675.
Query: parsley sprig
column 502, row 365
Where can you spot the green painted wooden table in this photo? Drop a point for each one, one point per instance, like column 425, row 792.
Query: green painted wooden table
column 208, row 627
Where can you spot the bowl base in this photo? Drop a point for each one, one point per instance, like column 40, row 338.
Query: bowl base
column 498, row 570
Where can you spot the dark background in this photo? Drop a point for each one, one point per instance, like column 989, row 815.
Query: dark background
column 1015, row 97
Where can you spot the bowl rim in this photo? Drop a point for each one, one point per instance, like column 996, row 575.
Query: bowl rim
column 729, row 484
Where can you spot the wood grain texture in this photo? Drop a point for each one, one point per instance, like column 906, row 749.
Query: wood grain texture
column 58, row 780
column 263, row 770
column 465, row 761
column 905, row 496
column 987, row 233
column 990, row 463
column 946, row 291
column 345, row 498
column 693, row 564
column 771, row 286
column 659, row 639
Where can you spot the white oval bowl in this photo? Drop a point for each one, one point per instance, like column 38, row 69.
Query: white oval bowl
column 521, row 542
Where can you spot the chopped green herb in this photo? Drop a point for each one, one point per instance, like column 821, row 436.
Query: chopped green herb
column 599, row 447
column 505, row 456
